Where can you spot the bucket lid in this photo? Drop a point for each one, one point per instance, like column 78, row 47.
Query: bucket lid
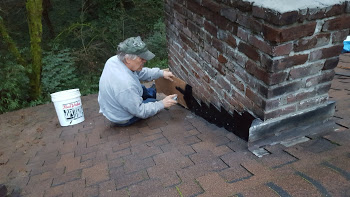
column 65, row 94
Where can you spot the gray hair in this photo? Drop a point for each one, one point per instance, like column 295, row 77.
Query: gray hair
column 122, row 56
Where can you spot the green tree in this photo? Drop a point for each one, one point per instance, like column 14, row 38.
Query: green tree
column 34, row 11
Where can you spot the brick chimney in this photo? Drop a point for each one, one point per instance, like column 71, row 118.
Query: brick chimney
column 274, row 60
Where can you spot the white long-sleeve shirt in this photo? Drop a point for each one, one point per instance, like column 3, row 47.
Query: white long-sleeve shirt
column 120, row 92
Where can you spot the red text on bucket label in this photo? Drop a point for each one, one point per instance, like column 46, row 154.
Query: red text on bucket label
column 71, row 105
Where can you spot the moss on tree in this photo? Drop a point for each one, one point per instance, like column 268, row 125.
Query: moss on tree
column 34, row 12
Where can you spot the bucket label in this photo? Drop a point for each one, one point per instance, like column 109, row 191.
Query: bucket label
column 73, row 111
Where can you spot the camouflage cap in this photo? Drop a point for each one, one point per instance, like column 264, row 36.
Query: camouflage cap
column 134, row 45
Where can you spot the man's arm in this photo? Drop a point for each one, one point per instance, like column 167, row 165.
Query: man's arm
column 149, row 74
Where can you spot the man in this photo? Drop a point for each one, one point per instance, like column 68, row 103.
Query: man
column 122, row 98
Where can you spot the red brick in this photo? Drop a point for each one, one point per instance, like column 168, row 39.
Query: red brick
column 323, row 77
column 305, row 70
column 283, row 49
column 305, row 104
column 261, row 74
column 273, row 103
column 285, row 18
column 304, row 94
column 219, row 67
column 240, row 5
column 323, row 88
column 276, row 78
column 187, row 31
column 230, row 14
column 316, row 13
column 223, row 83
column 179, row 8
column 285, row 88
column 193, row 27
column 338, row 23
column 280, row 112
column 210, row 28
column 259, row 12
column 243, row 34
column 326, row 52
column 231, row 41
column 188, row 41
column 254, row 97
column 249, row 51
column 252, row 68
column 235, row 81
column 274, row 17
column 195, row 7
column 339, row 36
column 210, row 49
column 303, row 14
column 334, row 10
column 286, row 62
column 237, row 57
column 222, row 59
column 313, row 42
column 250, row 23
column 212, row 5
column 225, row 24
column 261, row 44
column 230, row 98
column 240, row 98
column 331, row 63
column 218, row 45
column 278, row 35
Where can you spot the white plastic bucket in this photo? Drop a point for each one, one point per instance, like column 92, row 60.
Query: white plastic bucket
column 68, row 107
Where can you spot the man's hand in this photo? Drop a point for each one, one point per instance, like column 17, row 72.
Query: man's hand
column 169, row 101
column 168, row 75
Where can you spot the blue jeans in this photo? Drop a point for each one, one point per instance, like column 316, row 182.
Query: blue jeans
column 149, row 95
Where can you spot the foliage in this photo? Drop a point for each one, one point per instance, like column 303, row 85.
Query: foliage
column 157, row 44
column 120, row 19
column 59, row 72
column 10, row 43
column 13, row 87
